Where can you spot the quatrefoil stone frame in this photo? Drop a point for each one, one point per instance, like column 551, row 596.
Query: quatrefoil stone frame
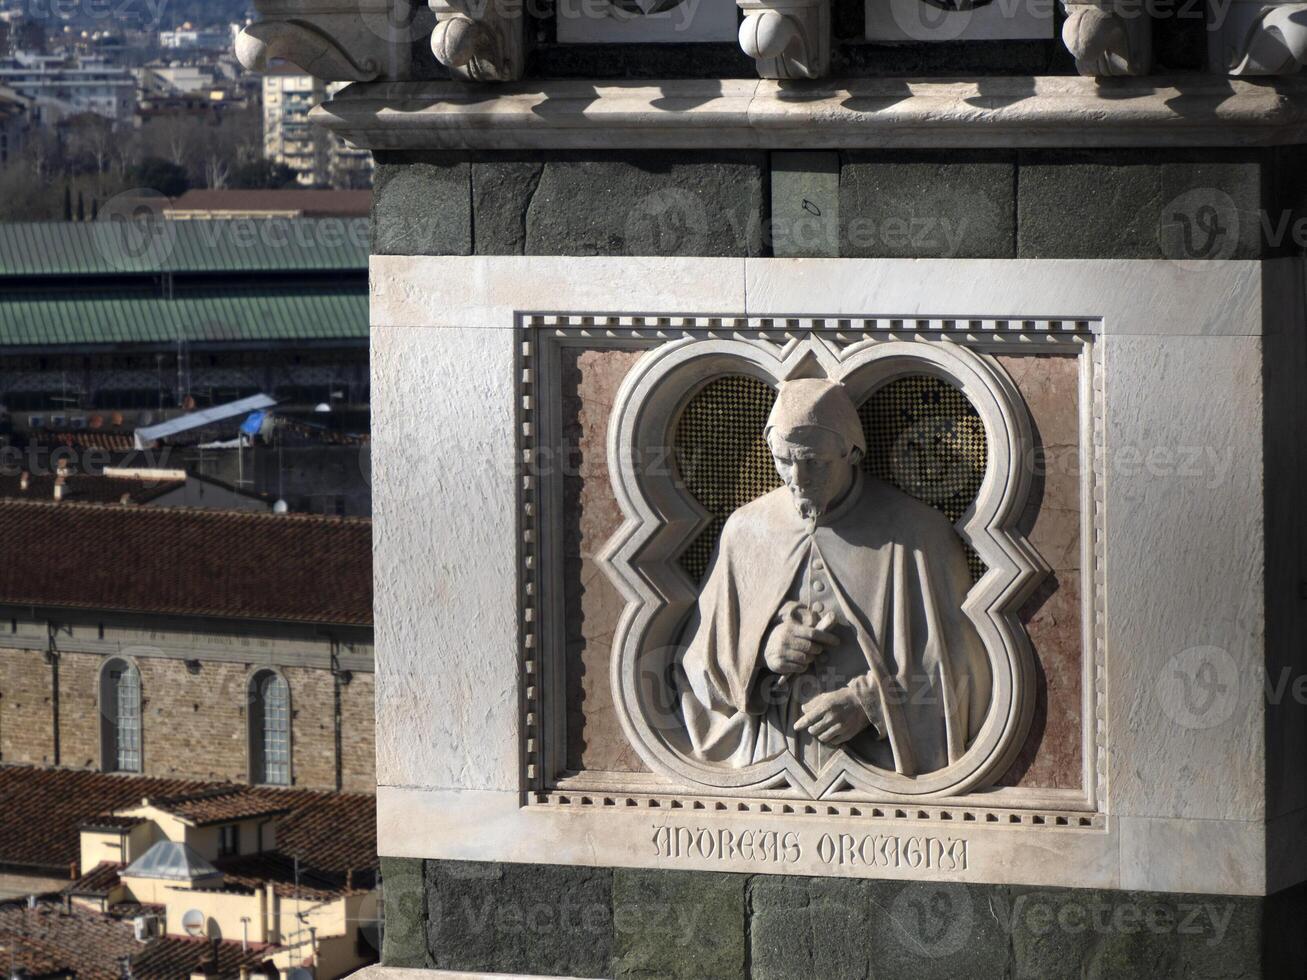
column 661, row 519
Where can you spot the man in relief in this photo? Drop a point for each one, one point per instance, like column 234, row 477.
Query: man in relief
column 831, row 618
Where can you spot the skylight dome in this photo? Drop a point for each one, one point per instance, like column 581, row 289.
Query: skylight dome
column 173, row 861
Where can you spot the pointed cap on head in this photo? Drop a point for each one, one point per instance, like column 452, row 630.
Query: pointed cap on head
column 819, row 404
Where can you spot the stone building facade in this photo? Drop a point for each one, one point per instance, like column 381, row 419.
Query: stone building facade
column 195, row 719
column 580, row 228
column 194, row 678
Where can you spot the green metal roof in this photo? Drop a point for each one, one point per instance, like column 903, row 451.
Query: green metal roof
column 228, row 316
column 118, row 247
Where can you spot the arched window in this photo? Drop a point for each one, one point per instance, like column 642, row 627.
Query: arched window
column 120, row 717
column 269, row 729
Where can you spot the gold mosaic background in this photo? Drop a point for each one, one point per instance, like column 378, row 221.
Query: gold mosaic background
column 923, row 436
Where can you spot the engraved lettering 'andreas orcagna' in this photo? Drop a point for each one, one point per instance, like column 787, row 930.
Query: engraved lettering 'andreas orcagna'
column 837, row 648
column 890, row 852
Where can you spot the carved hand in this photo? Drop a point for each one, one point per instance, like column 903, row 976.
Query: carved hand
column 797, row 639
column 833, row 717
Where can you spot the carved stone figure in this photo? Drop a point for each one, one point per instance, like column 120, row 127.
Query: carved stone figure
column 830, row 621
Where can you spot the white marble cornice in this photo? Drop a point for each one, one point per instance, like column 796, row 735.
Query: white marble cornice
column 1062, row 111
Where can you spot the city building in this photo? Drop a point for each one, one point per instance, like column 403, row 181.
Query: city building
column 60, row 86
column 319, row 157
column 187, row 644
column 156, row 878
column 189, row 38
column 114, row 326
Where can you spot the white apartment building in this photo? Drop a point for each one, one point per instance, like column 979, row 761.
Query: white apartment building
column 188, row 38
column 59, row 87
column 320, row 158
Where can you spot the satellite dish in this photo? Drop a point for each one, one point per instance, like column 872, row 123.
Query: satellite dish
column 280, row 507
column 193, row 922
column 322, row 407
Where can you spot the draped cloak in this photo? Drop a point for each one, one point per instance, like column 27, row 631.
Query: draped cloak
column 898, row 577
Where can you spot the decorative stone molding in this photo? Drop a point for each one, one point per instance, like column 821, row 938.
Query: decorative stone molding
column 1252, row 37
column 480, row 40
column 1110, row 37
column 787, row 38
column 337, row 42
column 1064, row 111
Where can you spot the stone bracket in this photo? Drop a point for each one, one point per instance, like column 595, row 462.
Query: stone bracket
column 1257, row 38
column 364, row 41
column 1109, row 38
column 480, row 40
column 787, row 38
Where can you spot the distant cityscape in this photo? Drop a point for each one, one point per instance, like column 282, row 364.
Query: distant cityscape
column 100, row 98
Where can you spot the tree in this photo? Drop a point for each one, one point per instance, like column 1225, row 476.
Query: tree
column 161, row 175
column 90, row 140
column 262, row 174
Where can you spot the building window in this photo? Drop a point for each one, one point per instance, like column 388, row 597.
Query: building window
column 120, row 717
column 229, row 840
column 270, row 729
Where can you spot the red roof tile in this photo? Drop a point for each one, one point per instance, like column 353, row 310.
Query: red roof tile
column 173, row 958
column 51, row 940
column 45, row 807
column 98, row 882
column 84, row 488
column 247, row 566
column 223, row 804
column 252, row 871
column 331, row 833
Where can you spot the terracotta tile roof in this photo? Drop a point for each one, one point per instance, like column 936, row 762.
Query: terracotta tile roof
column 107, row 821
column 235, row 565
column 51, row 940
column 45, row 807
column 331, row 833
column 174, row 957
column 84, row 488
column 80, row 439
column 98, row 882
column 252, row 871
column 222, row 804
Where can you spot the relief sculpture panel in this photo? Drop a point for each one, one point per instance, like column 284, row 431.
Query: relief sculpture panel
column 832, row 636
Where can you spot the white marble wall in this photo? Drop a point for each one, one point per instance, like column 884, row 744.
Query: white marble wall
column 1182, row 355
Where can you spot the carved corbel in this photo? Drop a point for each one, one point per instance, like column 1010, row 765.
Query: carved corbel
column 480, row 40
column 335, row 40
column 1113, row 37
column 1257, row 38
column 787, row 38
